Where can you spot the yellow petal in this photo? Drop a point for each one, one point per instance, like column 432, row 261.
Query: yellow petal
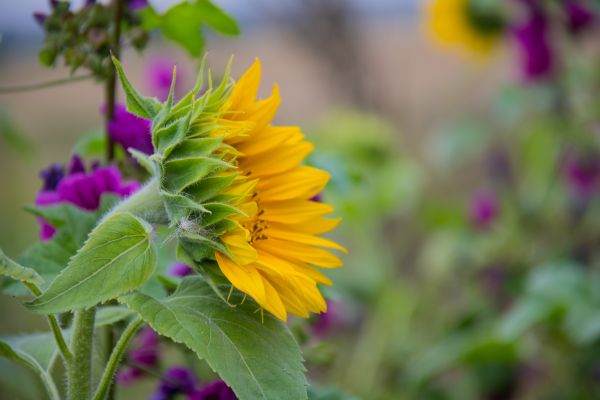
column 303, row 238
column 300, row 183
column 244, row 92
column 299, row 252
column 237, row 241
column 315, row 226
column 276, row 161
column 244, row 277
column 273, row 302
column 293, row 211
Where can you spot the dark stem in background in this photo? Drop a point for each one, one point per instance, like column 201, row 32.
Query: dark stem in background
column 27, row 87
column 111, row 83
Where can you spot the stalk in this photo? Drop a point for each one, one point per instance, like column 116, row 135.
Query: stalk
column 115, row 358
column 80, row 369
column 111, row 82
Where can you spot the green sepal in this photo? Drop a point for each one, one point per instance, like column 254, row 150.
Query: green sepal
column 209, row 187
column 183, row 172
column 144, row 107
column 179, row 207
column 218, row 212
column 144, row 160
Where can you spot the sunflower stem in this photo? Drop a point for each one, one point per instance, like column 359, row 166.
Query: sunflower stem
column 79, row 371
column 145, row 203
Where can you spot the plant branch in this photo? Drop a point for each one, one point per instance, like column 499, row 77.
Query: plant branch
column 27, row 87
column 80, row 368
column 111, row 83
column 115, row 359
column 56, row 331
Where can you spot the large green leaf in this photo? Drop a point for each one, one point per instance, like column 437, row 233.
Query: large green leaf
column 73, row 225
column 258, row 359
column 18, row 272
column 117, row 258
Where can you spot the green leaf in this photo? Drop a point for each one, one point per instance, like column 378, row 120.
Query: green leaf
column 73, row 225
column 144, row 107
column 108, row 315
column 34, row 350
column 183, row 22
column 117, row 258
column 18, row 272
column 258, row 359
column 143, row 160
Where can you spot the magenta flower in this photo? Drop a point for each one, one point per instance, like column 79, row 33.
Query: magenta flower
column 579, row 16
column 180, row 270
column 79, row 187
column 582, row 174
column 177, row 380
column 159, row 74
column 136, row 4
column 144, row 353
column 532, row 36
column 129, row 130
column 483, row 209
column 216, row 390
column 327, row 321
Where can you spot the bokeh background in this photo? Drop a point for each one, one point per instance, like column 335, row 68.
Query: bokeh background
column 473, row 268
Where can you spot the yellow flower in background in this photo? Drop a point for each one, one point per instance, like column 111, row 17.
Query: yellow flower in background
column 276, row 246
column 473, row 25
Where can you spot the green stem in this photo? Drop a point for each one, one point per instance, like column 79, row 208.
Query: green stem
column 27, row 87
column 145, row 203
column 115, row 359
column 111, row 82
column 80, row 369
column 50, row 387
column 56, row 331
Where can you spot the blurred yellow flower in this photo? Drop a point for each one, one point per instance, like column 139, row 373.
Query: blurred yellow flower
column 275, row 247
column 470, row 25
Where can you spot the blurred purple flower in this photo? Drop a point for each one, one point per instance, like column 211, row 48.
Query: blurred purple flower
column 79, row 188
column 137, row 4
column 579, row 16
column 180, row 270
column 532, row 36
column 159, row 74
column 582, row 174
column 216, row 390
column 177, row 380
column 483, row 209
column 331, row 319
column 40, row 17
column 144, row 353
column 129, row 130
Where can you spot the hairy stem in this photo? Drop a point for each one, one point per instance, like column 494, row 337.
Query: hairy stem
column 80, row 369
column 145, row 203
column 115, row 358
column 27, row 87
column 111, row 82
column 56, row 331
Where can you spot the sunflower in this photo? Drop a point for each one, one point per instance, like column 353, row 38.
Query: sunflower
column 275, row 247
column 474, row 25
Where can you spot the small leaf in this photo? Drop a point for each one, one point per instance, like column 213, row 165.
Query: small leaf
column 33, row 350
column 258, row 359
column 18, row 272
column 144, row 107
column 217, row 18
column 143, row 160
column 108, row 315
column 117, row 258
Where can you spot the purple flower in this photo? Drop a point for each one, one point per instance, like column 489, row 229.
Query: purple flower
column 180, row 270
column 144, row 353
column 532, row 37
column 216, row 390
column 40, row 17
column 579, row 17
column 333, row 318
column 177, row 380
column 136, row 4
column 130, row 130
column 79, row 188
column 483, row 209
column 159, row 74
column 582, row 174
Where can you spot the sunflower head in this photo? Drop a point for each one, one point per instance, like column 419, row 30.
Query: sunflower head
column 473, row 25
column 235, row 190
